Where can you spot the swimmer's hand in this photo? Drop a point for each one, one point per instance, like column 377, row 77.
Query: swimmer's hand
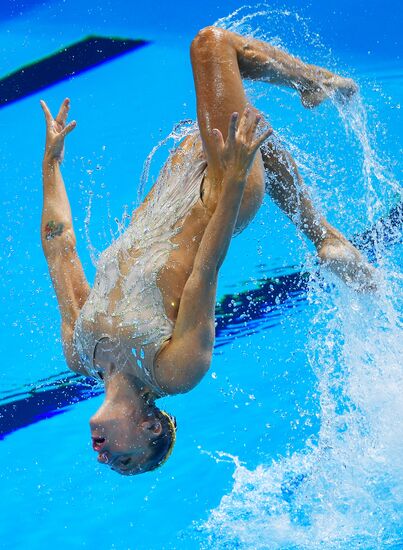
column 237, row 153
column 56, row 131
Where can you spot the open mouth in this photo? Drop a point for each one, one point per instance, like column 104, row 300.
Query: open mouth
column 98, row 443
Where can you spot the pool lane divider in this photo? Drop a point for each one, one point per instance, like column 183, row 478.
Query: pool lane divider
column 64, row 64
column 45, row 400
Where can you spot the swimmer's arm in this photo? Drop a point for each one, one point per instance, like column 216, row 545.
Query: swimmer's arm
column 59, row 246
column 185, row 360
column 56, row 213
column 56, row 219
column 57, row 234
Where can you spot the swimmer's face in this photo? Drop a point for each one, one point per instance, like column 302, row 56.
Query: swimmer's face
column 123, row 439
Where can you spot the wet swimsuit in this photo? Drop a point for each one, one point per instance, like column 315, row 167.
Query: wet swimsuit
column 140, row 310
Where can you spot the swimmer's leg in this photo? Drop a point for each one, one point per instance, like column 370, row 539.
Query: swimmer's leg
column 220, row 59
column 285, row 186
column 259, row 60
column 220, row 93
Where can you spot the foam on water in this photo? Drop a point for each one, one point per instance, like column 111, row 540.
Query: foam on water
column 345, row 489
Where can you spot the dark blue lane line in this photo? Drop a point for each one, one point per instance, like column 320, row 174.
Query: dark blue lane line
column 63, row 64
column 45, row 401
column 241, row 314
column 237, row 315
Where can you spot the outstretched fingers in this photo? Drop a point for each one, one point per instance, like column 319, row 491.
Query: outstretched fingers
column 69, row 128
column 219, row 139
column 63, row 112
column 232, row 127
column 245, row 122
column 61, row 118
column 253, row 127
column 47, row 113
column 248, row 124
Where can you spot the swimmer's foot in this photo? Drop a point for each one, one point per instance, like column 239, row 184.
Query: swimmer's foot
column 342, row 258
column 341, row 88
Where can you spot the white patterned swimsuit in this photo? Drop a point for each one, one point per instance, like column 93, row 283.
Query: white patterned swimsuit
column 140, row 312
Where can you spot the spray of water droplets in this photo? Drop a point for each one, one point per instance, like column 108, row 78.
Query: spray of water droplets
column 345, row 489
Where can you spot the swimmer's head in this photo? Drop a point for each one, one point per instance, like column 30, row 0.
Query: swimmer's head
column 133, row 441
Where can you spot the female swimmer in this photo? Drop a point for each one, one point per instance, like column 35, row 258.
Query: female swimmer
column 146, row 328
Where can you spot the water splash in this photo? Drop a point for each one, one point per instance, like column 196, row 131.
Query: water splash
column 345, row 489
column 94, row 253
column 178, row 133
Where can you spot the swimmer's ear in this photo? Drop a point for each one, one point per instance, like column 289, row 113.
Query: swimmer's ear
column 153, row 426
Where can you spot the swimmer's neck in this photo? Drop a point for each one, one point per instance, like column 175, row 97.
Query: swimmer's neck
column 123, row 386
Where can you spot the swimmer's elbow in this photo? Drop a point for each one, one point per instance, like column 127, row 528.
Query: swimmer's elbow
column 187, row 384
column 64, row 244
column 195, row 378
column 182, row 376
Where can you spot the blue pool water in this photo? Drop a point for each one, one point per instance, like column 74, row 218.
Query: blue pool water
column 294, row 438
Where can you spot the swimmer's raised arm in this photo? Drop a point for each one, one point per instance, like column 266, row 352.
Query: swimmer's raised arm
column 57, row 233
column 56, row 214
column 236, row 156
column 185, row 360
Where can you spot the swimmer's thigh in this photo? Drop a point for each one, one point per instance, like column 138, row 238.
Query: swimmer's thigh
column 220, row 93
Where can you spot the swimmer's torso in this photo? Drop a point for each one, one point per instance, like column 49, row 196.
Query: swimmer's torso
column 134, row 303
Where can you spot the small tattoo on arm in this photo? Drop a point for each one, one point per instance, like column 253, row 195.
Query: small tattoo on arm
column 53, row 229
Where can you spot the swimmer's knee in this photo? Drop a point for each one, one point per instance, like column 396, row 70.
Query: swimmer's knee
column 208, row 39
